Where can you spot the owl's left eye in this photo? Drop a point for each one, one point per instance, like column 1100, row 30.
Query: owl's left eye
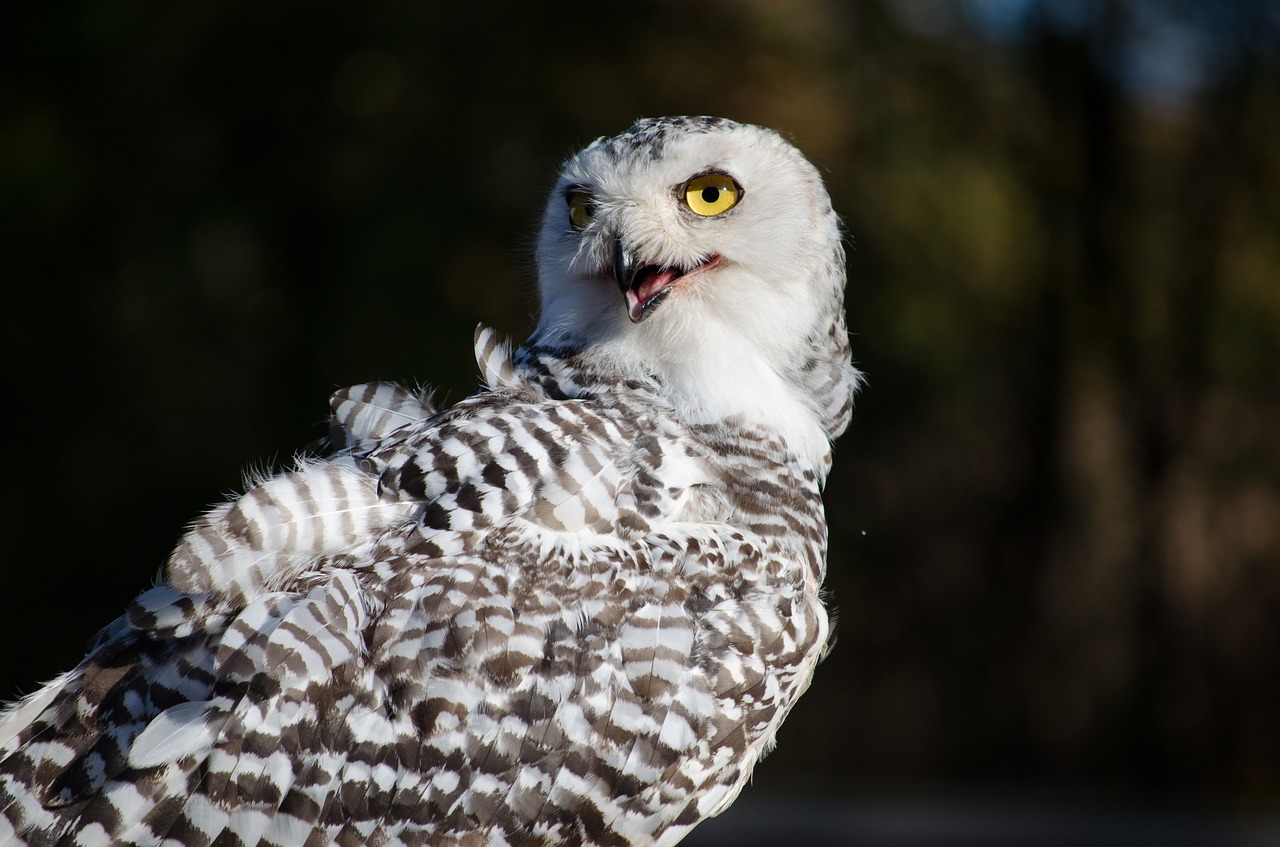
column 582, row 208
column 711, row 194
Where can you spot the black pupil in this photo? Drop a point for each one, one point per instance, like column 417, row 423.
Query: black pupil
column 710, row 194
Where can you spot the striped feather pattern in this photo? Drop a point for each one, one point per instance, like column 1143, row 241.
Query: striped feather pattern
column 371, row 411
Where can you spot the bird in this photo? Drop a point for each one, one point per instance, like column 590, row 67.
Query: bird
column 573, row 608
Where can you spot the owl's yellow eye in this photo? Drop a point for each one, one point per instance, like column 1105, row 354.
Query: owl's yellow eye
column 711, row 195
column 582, row 208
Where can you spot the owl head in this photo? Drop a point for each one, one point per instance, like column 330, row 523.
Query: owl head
column 696, row 250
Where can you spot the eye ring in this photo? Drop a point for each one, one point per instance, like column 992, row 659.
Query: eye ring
column 582, row 207
column 711, row 194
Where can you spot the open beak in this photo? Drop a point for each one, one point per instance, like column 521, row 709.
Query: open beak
column 644, row 287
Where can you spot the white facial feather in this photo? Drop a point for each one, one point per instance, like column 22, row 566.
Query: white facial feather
column 731, row 339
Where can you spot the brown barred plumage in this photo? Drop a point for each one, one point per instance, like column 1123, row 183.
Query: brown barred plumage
column 572, row 609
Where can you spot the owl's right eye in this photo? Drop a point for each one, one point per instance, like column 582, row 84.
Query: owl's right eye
column 582, row 208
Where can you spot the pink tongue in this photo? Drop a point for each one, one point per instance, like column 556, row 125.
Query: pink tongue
column 649, row 282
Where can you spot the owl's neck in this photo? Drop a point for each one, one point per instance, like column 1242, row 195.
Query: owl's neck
column 714, row 377
column 741, row 387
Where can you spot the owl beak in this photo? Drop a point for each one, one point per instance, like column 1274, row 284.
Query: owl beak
column 624, row 265
column 644, row 287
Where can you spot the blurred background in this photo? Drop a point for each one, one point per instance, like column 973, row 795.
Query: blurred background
column 1055, row 523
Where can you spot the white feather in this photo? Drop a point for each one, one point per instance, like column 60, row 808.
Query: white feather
column 177, row 732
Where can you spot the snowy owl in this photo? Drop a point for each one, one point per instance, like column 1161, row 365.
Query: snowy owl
column 572, row 609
